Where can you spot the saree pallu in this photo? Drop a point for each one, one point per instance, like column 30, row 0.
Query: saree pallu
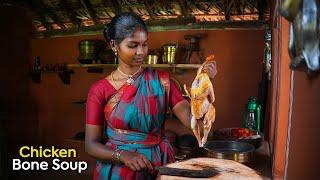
column 135, row 117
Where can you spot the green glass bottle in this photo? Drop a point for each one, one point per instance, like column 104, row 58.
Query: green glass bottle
column 252, row 115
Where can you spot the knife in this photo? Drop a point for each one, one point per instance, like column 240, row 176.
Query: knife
column 203, row 173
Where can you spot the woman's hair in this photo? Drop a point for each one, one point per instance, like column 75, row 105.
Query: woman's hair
column 122, row 26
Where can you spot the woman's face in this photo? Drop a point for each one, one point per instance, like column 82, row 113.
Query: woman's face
column 133, row 50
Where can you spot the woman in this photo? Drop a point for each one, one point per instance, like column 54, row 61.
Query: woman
column 131, row 103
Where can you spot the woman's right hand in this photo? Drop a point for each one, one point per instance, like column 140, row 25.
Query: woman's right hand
column 135, row 161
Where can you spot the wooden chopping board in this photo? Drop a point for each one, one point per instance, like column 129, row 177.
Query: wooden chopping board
column 227, row 169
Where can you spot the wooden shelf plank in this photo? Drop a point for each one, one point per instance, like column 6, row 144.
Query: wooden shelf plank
column 182, row 66
column 188, row 66
column 90, row 65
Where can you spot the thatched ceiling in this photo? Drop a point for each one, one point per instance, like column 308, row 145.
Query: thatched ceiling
column 67, row 17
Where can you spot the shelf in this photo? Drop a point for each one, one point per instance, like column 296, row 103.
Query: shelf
column 181, row 66
column 65, row 70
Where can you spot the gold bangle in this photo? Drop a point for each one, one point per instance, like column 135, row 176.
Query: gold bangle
column 116, row 155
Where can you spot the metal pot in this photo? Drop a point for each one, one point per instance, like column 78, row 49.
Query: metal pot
column 233, row 150
column 89, row 49
column 169, row 53
column 152, row 59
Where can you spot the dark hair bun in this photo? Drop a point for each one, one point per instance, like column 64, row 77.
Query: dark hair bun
column 123, row 25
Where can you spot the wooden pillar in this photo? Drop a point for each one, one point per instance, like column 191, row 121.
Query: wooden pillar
column 280, row 106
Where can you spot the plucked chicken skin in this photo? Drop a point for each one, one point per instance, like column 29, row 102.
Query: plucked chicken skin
column 201, row 99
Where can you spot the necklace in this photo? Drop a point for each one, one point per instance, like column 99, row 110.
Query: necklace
column 130, row 80
column 114, row 82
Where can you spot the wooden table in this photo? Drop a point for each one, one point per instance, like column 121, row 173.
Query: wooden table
column 260, row 162
column 225, row 169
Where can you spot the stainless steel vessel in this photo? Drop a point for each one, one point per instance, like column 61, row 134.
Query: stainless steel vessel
column 233, row 150
column 169, row 53
column 152, row 59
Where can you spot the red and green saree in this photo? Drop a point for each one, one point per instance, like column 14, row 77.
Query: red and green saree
column 134, row 117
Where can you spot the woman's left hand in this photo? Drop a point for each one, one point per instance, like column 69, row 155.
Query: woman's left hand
column 210, row 67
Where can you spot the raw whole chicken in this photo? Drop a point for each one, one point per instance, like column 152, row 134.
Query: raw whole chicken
column 201, row 99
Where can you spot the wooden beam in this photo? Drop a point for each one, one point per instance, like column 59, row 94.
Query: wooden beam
column 43, row 8
column 261, row 6
column 184, row 8
column 250, row 6
column 216, row 4
column 108, row 4
column 225, row 25
column 173, row 21
column 238, row 5
column 55, row 17
column 45, row 23
column 281, row 87
column 149, row 9
column 170, row 26
column 70, row 12
column 86, row 4
column 39, row 12
column 116, row 6
column 228, row 7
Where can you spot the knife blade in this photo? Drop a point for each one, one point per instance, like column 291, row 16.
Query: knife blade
column 203, row 173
